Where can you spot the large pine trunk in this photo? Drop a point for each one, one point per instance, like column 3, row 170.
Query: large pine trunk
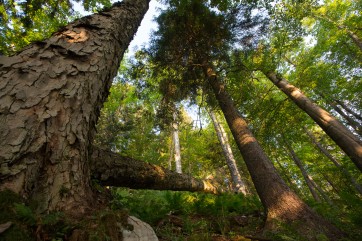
column 282, row 205
column 343, row 137
column 51, row 95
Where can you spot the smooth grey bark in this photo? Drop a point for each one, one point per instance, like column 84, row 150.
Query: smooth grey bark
column 238, row 184
column 50, row 97
column 343, row 137
column 176, row 142
column 112, row 169
column 171, row 154
column 332, row 159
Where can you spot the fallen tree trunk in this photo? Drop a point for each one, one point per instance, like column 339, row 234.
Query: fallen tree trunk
column 112, row 169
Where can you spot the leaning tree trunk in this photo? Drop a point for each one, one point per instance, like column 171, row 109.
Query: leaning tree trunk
column 282, row 205
column 306, row 176
column 352, row 123
column 335, row 162
column 349, row 110
column 344, row 138
column 112, row 169
column 176, row 142
column 50, row 97
column 238, row 184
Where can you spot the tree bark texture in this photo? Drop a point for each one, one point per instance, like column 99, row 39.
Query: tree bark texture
column 238, row 184
column 176, row 142
column 335, row 162
column 280, row 202
column 50, row 97
column 112, row 169
column 344, row 138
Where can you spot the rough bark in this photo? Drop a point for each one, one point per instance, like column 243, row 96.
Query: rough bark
column 306, row 176
column 335, row 162
column 238, row 184
column 50, row 96
column 344, row 138
column 112, row 169
column 281, row 204
column 177, row 148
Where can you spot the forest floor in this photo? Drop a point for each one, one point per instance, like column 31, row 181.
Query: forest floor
column 174, row 216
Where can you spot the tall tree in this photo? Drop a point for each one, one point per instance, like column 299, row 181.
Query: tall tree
column 176, row 142
column 306, row 176
column 206, row 37
column 343, row 137
column 279, row 201
column 51, row 94
column 335, row 162
column 238, row 184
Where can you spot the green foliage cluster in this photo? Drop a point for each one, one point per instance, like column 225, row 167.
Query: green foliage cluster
column 26, row 225
column 184, row 215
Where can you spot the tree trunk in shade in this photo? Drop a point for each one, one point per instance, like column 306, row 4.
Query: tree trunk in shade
column 306, row 176
column 238, row 184
column 343, row 137
column 281, row 204
column 176, row 142
column 112, row 169
column 349, row 110
column 354, row 124
column 50, row 97
column 335, row 162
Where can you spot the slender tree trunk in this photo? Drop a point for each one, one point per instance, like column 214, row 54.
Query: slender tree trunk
column 112, row 169
column 171, row 154
column 348, row 109
column 176, row 141
column 306, row 176
column 335, row 162
column 354, row 124
column 344, row 138
column 356, row 40
column 291, row 182
column 238, row 184
column 321, row 192
column 50, row 96
column 280, row 202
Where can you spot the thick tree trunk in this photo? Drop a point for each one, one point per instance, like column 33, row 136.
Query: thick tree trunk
column 50, row 96
column 238, row 184
column 306, row 176
column 335, row 162
column 344, row 138
column 176, row 142
column 280, row 202
column 112, row 169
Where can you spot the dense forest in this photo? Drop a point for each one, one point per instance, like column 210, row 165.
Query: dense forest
column 239, row 120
